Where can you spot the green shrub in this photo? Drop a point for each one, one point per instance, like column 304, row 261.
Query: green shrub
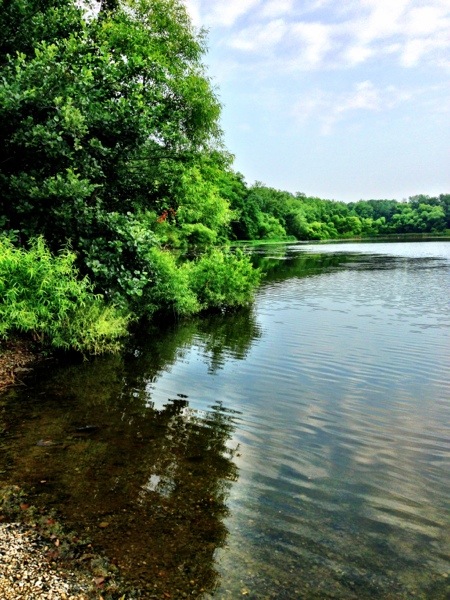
column 41, row 294
column 216, row 280
column 114, row 249
column 198, row 235
column 170, row 290
column 221, row 279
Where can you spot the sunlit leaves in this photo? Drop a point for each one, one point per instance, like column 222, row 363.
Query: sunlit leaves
column 42, row 295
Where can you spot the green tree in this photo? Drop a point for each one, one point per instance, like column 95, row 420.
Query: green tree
column 25, row 22
column 101, row 114
column 444, row 202
column 109, row 125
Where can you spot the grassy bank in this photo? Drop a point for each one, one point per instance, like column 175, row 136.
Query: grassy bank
column 44, row 299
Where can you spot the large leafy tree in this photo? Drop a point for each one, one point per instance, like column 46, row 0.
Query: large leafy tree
column 95, row 111
column 109, row 123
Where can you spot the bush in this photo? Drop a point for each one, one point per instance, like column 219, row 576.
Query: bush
column 215, row 280
column 223, row 280
column 170, row 290
column 41, row 294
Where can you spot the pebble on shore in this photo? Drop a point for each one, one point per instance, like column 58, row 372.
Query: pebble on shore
column 25, row 573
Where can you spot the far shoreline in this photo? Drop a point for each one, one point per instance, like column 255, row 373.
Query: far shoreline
column 393, row 237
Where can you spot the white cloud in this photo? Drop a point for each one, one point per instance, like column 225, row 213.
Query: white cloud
column 417, row 49
column 426, row 20
column 416, row 32
column 357, row 54
column 381, row 19
column 327, row 109
column 330, row 34
column 364, row 96
column 225, row 13
column 193, row 7
column 277, row 8
column 259, row 38
column 298, row 46
column 314, row 41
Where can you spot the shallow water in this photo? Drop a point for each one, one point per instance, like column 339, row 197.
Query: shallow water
column 297, row 450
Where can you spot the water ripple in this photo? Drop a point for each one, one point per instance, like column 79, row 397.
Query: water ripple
column 345, row 434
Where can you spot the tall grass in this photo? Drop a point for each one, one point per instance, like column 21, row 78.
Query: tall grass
column 43, row 295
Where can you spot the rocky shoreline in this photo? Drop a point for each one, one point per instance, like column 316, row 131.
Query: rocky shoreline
column 16, row 360
column 27, row 568
column 41, row 560
column 26, row 574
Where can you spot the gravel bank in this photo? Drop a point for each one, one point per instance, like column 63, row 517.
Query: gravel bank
column 25, row 573
column 16, row 360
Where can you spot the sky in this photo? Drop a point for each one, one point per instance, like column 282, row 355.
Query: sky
column 341, row 99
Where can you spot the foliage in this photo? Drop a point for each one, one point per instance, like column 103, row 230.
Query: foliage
column 171, row 291
column 110, row 139
column 222, row 279
column 421, row 218
column 41, row 294
column 105, row 113
column 25, row 21
column 311, row 218
column 202, row 213
column 115, row 248
column 108, row 117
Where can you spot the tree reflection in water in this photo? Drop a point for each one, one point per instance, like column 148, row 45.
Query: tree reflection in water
column 148, row 486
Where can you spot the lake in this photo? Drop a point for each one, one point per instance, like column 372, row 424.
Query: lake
column 298, row 449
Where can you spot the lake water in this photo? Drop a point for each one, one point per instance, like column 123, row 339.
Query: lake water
column 300, row 449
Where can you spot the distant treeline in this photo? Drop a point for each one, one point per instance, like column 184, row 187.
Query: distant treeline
column 266, row 213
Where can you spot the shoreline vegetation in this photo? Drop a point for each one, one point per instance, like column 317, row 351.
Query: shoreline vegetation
column 24, row 348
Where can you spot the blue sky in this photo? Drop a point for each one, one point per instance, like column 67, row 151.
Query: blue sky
column 342, row 99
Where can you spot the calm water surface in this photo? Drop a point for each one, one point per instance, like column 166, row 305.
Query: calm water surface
column 297, row 450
